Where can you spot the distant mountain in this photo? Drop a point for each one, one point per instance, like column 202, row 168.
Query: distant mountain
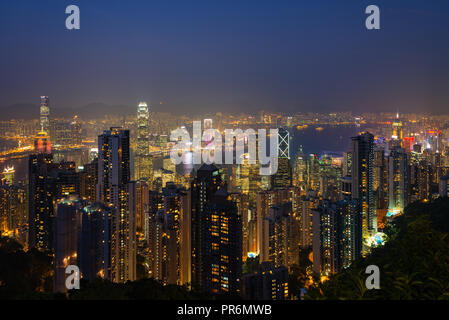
column 99, row 110
column 28, row 111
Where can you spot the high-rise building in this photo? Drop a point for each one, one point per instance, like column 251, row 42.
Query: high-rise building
column 221, row 260
column 143, row 161
column 242, row 203
column 362, row 182
column 114, row 189
column 267, row 283
column 95, row 241
column 398, row 181
column 337, row 236
column 380, row 181
column 67, row 226
column 283, row 177
column 13, row 210
column 169, row 230
column 88, row 177
column 44, row 114
column 205, row 184
column 278, row 226
column 274, row 246
column 41, row 193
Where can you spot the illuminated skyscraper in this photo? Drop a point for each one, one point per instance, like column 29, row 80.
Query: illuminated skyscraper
column 47, row 182
column 88, row 177
column 41, row 193
column 114, row 189
column 13, row 209
column 283, row 177
column 362, row 182
column 44, row 114
column 143, row 161
column 337, row 236
column 274, row 246
column 221, row 260
column 398, row 181
column 206, row 183
column 170, row 236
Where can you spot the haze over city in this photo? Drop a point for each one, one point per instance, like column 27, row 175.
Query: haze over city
column 224, row 155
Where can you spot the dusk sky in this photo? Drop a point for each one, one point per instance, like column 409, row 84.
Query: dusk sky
column 198, row 56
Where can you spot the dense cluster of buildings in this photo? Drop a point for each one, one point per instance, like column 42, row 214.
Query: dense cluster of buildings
column 198, row 226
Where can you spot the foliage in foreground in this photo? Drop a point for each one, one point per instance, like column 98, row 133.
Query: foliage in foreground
column 414, row 263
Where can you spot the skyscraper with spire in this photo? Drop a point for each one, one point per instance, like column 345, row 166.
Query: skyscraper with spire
column 143, row 163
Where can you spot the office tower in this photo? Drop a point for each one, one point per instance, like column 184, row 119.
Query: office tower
column 283, row 177
column 169, row 236
column 88, row 177
column 67, row 225
column 95, row 241
column 267, row 283
column 113, row 189
column 44, row 114
column 362, row 182
column 398, row 181
column 337, row 236
column 205, row 184
column 221, row 260
column 143, row 161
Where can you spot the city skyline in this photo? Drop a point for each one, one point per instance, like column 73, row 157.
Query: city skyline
column 224, row 150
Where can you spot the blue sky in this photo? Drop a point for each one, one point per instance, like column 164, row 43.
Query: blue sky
column 199, row 56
